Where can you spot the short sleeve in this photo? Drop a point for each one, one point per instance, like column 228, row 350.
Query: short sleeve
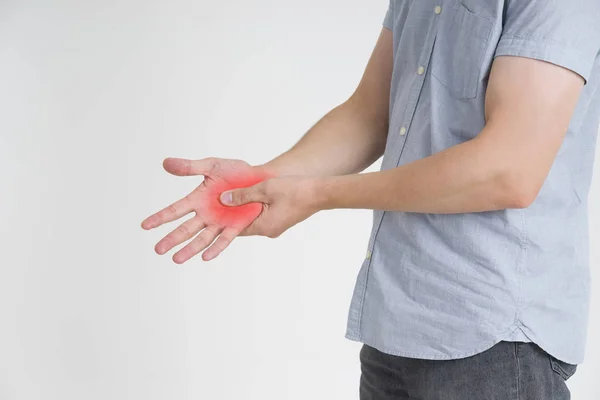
column 388, row 20
column 565, row 33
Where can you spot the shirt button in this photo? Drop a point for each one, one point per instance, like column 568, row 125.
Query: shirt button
column 403, row 131
column 368, row 255
column 421, row 71
column 437, row 10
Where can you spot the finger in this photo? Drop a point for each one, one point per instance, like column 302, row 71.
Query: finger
column 222, row 242
column 168, row 214
column 184, row 167
column 183, row 232
column 238, row 197
column 202, row 241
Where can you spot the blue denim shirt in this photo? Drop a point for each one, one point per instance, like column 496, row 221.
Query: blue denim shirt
column 446, row 286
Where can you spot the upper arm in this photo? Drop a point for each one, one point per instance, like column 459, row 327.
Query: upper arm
column 373, row 91
column 529, row 104
column 543, row 60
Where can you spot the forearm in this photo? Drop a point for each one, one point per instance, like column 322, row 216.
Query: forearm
column 469, row 177
column 345, row 141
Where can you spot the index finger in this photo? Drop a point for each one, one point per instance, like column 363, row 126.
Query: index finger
column 184, row 167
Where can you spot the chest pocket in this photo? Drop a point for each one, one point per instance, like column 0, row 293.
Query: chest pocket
column 461, row 44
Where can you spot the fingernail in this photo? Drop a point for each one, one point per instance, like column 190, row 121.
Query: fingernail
column 226, row 198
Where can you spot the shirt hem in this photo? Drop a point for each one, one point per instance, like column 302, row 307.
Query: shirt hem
column 549, row 349
column 402, row 353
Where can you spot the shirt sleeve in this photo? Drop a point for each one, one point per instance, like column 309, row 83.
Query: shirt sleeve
column 388, row 21
column 565, row 33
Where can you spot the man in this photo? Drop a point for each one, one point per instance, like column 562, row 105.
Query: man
column 475, row 284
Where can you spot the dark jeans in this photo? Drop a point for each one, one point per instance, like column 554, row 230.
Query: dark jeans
column 507, row 371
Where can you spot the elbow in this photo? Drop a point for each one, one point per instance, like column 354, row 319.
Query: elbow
column 523, row 198
column 518, row 190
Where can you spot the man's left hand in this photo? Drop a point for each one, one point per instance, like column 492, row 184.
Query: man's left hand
column 286, row 202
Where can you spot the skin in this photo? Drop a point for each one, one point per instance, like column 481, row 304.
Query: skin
column 211, row 217
column 528, row 106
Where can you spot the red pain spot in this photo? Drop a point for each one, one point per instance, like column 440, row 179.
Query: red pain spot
column 239, row 215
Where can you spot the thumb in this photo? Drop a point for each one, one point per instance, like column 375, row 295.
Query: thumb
column 238, row 197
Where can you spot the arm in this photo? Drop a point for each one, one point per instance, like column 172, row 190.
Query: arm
column 352, row 136
column 347, row 140
column 529, row 104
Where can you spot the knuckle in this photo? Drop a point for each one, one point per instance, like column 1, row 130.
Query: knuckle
column 264, row 187
column 200, row 243
column 238, row 196
column 214, row 164
column 183, row 230
column 171, row 209
column 210, row 161
column 224, row 242
column 243, row 196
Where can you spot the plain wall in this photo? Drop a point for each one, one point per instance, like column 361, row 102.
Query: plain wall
column 93, row 96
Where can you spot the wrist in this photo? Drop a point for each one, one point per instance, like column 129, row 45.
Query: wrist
column 321, row 192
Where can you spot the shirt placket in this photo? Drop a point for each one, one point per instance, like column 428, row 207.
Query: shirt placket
column 402, row 127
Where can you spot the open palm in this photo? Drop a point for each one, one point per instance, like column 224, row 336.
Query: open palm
column 211, row 218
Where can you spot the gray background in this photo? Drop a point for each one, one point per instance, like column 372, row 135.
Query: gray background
column 93, row 95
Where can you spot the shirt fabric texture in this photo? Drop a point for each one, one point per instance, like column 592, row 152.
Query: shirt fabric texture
column 448, row 286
